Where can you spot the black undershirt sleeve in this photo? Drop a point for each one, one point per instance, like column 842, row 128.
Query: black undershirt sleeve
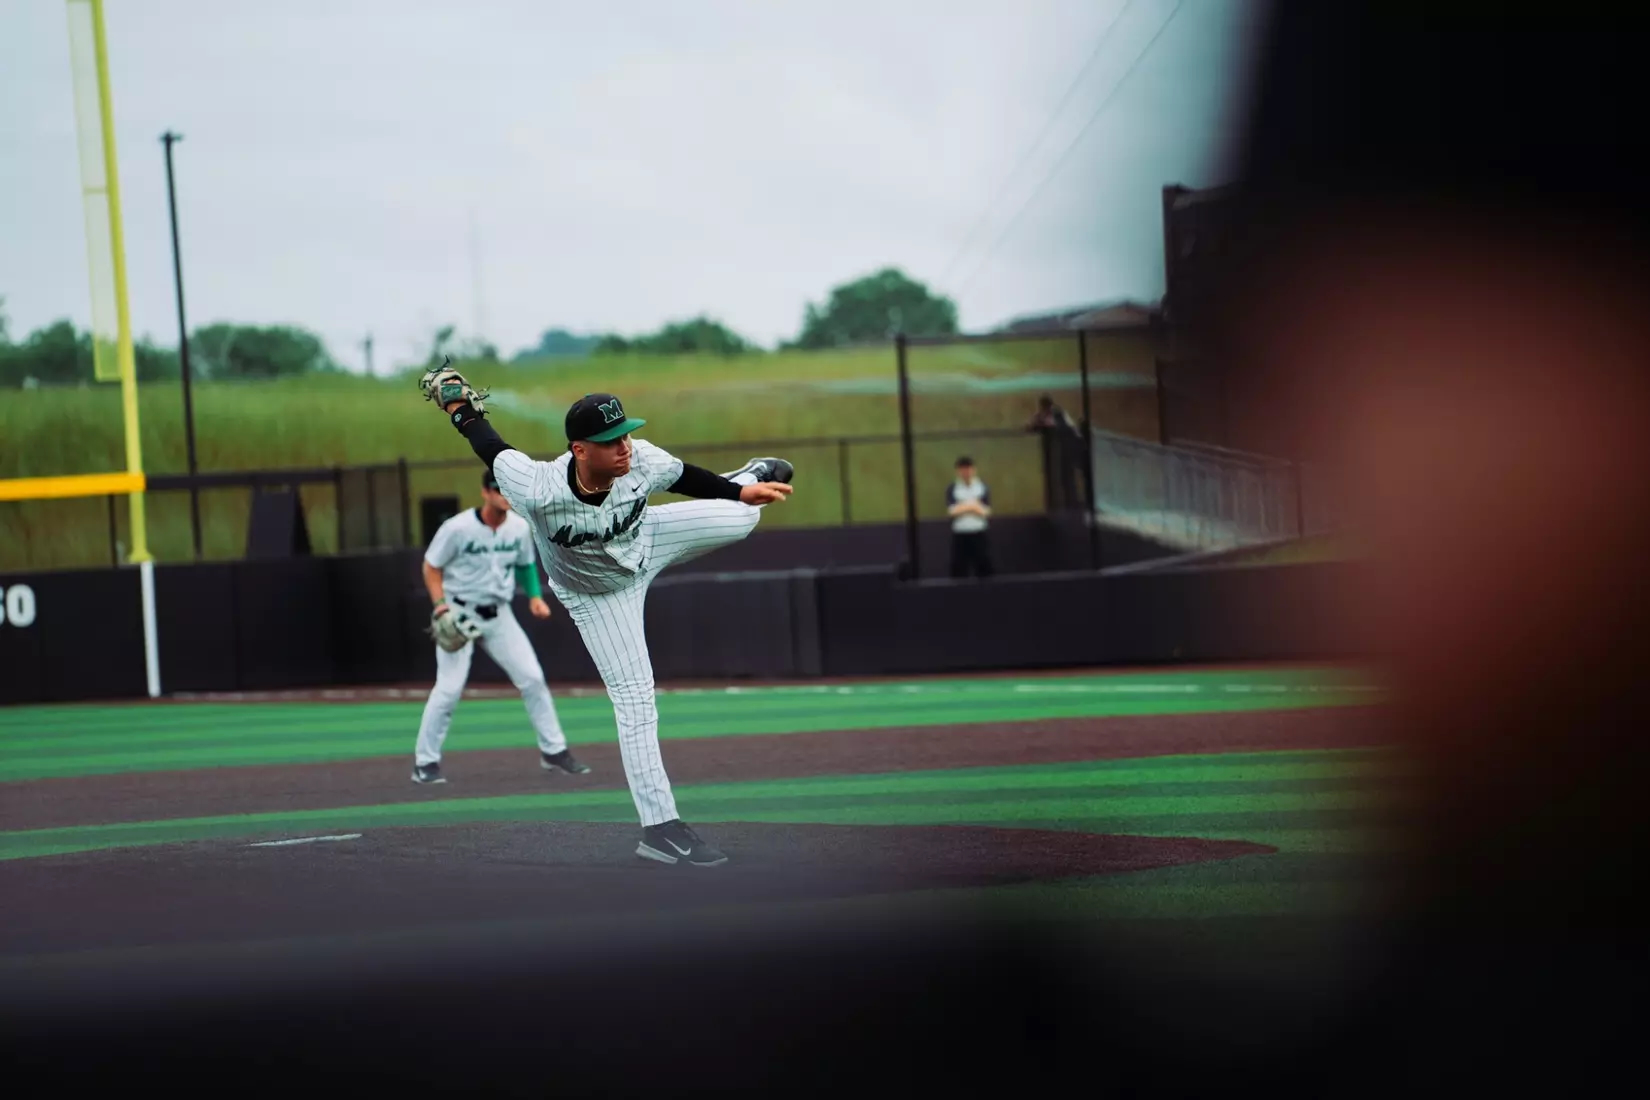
column 484, row 438
column 696, row 481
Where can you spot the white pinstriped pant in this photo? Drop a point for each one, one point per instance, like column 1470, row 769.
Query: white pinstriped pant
column 611, row 624
column 506, row 643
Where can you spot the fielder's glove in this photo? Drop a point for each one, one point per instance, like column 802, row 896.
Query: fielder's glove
column 444, row 385
column 453, row 628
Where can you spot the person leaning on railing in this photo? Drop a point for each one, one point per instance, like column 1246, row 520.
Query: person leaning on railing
column 1062, row 452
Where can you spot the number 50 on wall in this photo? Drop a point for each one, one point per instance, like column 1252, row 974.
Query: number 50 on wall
column 17, row 606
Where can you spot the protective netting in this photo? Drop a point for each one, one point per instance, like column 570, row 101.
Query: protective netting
column 94, row 188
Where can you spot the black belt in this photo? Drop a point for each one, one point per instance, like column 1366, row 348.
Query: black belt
column 485, row 610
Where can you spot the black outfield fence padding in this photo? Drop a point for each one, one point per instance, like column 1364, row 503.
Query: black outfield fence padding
column 357, row 620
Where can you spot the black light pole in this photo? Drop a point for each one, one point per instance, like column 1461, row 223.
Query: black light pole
column 912, row 546
column 1090, row 505
column 183, row 347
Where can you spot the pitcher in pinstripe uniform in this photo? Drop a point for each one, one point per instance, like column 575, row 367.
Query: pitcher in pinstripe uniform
column 602, row 545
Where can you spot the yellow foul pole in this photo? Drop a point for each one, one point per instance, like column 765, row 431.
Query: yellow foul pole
column 128, row 367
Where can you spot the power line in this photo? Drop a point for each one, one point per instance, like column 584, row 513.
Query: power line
column 1059, row 164
column 1025, row 158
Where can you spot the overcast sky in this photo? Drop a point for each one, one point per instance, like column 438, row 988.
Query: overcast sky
column 356, row 167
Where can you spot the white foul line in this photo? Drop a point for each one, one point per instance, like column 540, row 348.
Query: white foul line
column 303, row 840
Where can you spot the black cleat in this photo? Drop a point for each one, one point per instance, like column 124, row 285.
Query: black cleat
column 764, row 469
column 428, row 773
column 675, row 842
column 562, row 761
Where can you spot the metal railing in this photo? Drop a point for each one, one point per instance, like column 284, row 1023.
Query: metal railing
column 1208, row 499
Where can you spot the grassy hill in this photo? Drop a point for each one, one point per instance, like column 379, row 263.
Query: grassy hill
column 712, row 411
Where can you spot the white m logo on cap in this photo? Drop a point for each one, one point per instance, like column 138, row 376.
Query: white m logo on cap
column 611, row 411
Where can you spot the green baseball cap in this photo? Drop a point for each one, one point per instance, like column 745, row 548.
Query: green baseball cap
column 599, row 418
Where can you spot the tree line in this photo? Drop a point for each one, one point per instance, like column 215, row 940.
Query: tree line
column 868, row 309
column 60, row 354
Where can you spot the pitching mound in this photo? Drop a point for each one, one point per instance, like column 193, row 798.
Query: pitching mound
column 391, row 880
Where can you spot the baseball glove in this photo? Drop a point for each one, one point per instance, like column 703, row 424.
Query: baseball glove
column 453, row 628
column 444, row 385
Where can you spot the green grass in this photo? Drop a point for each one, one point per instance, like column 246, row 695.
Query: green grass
column 694, row 405
column 46, row 741
column 1281, row 798
column 1325, row 811
column 1321, row 810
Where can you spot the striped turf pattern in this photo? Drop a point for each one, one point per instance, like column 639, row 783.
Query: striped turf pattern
column 42, row 742
column 1320, row 809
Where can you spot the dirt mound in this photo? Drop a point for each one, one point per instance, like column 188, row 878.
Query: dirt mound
column 403, row 879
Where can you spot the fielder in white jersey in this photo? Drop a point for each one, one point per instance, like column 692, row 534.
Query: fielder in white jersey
column 602, row 545
column 474, row 562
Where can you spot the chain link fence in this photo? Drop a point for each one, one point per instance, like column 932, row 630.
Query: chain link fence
column 1091, row 425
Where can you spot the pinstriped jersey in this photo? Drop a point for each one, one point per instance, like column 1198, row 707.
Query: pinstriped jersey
column 587, row 547
column 478, row 562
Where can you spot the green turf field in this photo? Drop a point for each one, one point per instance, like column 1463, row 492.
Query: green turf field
column 50, row 741
column 1317, row 807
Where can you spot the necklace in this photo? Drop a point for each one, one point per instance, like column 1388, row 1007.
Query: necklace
column 583, row 488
